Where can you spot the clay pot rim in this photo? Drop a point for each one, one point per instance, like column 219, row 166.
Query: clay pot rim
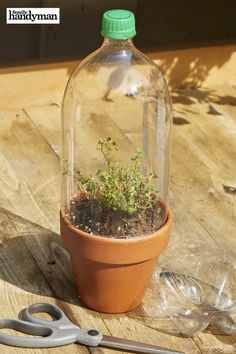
column 120, row 241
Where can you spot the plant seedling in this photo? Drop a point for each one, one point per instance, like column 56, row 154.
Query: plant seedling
column 116, row 197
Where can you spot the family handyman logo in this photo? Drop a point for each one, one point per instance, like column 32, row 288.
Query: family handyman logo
column 34, row 15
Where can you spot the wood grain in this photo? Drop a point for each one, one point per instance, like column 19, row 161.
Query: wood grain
column 203, row 162
column 28, row 171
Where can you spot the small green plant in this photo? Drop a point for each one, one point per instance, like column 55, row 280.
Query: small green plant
column 118, row 188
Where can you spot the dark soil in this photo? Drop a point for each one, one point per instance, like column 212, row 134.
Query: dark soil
column 89, row 215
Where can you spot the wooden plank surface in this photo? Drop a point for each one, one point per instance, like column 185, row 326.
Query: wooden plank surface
column 28, row 171
column 202, row 180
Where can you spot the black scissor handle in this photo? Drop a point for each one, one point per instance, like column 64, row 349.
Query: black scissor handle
column 59, row 318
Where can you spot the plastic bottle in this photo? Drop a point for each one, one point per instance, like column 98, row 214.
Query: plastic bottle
column 116, row 101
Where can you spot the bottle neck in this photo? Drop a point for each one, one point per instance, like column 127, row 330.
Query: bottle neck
column 118, row 42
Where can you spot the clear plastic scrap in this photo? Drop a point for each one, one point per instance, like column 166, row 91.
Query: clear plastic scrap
column 199, row 290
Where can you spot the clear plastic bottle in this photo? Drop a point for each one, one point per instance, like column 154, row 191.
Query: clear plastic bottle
column 116, row 116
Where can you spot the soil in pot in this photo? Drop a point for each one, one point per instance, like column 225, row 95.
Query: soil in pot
column 89, row 215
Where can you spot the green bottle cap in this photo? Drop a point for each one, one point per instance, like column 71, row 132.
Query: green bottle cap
column 118, row 24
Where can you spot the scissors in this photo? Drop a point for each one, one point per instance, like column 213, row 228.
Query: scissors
column 61, row 331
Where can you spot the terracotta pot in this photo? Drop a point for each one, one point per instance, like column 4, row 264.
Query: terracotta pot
column 113, row 274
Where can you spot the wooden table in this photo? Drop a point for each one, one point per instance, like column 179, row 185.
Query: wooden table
column 202, row 191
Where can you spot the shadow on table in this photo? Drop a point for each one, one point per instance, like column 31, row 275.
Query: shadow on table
column 29, row 262
column 188, row 95
column 32, row 259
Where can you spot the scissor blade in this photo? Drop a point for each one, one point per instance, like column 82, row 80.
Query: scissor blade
column 131, row 345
